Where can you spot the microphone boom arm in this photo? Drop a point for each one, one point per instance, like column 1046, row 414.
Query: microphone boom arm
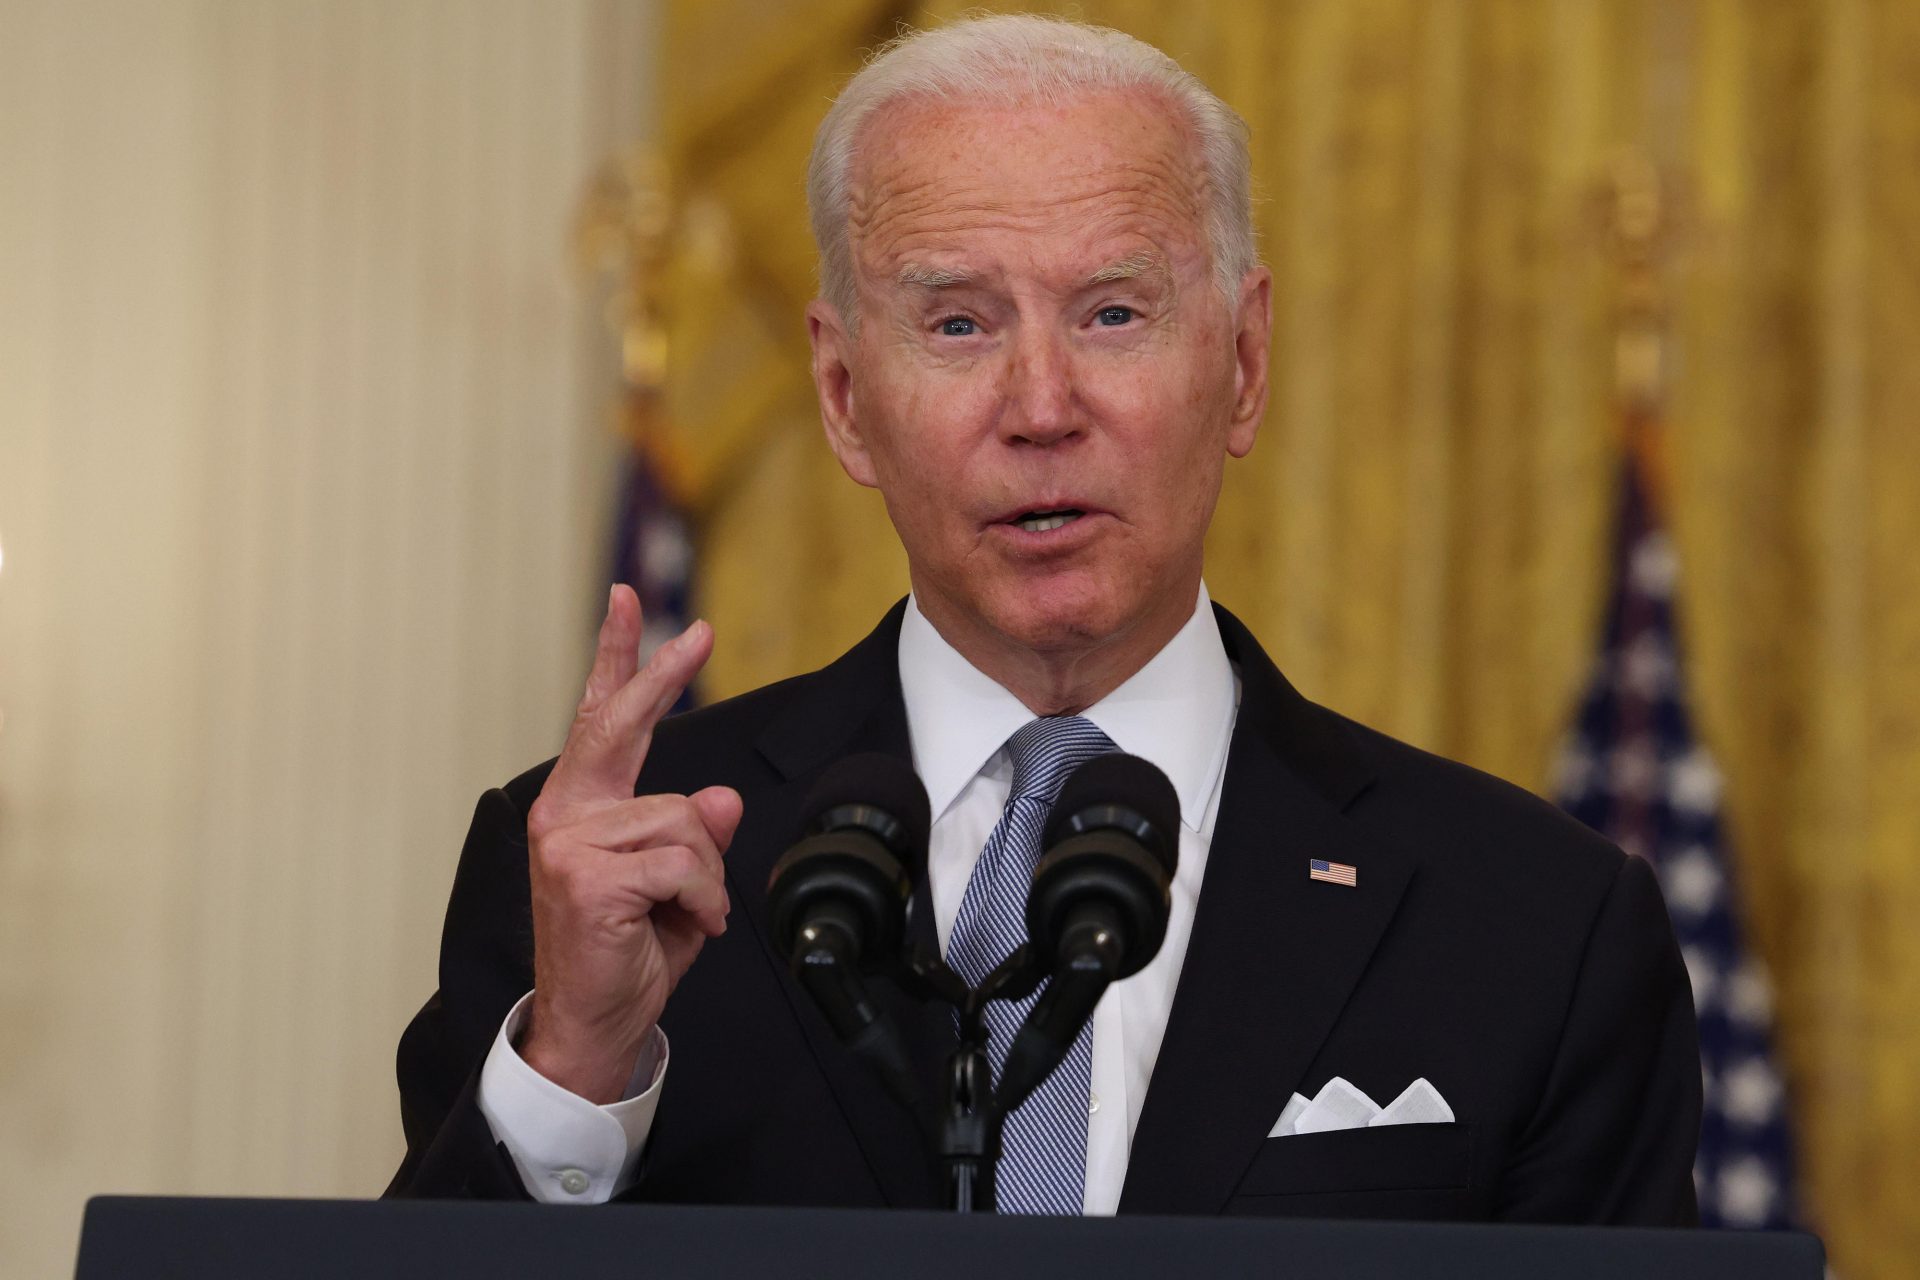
column 1090, row 956
column 824, row 966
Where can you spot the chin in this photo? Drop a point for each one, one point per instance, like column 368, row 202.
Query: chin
column 1053, row 616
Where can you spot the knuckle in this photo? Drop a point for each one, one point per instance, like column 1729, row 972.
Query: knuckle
column 543, row 819
column 679, row 812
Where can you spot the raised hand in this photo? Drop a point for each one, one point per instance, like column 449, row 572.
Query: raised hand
column 626, row 889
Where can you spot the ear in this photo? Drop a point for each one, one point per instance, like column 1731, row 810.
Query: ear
column 833, row 383
column 1253, row 327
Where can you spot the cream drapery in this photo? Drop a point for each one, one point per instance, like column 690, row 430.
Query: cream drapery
column 1420, row 537
column 304, row 482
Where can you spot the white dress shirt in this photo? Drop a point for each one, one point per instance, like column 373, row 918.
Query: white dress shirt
column 1177, row 711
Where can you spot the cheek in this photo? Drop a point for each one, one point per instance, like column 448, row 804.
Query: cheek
column 927, row 432
column 927, row 460
column 1174, row 446
column 1172, row 418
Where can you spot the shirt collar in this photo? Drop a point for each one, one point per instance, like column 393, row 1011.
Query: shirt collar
column 1174, row 711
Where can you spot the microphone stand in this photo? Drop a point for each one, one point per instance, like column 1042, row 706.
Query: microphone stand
column 965, row 1132
column 973, row 1111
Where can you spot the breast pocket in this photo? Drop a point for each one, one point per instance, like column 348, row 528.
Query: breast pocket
column 1399, row 1157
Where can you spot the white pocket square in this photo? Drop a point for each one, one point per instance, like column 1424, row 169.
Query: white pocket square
column 1339, row 1105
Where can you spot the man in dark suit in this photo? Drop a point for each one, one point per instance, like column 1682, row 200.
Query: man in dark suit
column 1043, row 330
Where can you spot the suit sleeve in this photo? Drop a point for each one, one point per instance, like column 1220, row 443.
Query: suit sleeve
column 1613, row 1138
column 486, row 964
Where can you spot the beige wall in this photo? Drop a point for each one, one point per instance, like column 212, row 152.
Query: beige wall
column 303, row 475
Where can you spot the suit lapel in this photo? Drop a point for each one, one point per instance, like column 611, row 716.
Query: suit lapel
column 853, row 706
column 1273, row 955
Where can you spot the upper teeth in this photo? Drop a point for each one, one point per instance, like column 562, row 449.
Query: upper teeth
column 1040, row 524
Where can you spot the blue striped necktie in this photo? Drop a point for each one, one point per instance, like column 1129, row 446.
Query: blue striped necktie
column 1043, row 1146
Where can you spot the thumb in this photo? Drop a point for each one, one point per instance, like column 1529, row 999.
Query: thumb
column 719, row 809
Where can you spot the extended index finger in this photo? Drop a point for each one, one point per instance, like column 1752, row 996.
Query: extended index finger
column 608, row 745
column 616, row 657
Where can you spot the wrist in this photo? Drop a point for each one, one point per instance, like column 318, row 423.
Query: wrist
column 594, row 1068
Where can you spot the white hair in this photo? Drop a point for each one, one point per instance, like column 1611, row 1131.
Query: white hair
column 1012, row 58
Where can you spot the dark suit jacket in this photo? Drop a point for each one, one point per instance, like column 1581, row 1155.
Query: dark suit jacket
column 1494, row 946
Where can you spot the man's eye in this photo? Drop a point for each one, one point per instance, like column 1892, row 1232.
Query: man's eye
column 957, row 327
column 1112, row 316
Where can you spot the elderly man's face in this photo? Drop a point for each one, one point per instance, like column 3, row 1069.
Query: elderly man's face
column 1046, row 380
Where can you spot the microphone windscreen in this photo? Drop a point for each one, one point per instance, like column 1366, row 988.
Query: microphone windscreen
column 877, row 781
column 1119, row 781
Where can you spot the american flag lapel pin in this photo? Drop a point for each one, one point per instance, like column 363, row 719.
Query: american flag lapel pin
column 1332, row 872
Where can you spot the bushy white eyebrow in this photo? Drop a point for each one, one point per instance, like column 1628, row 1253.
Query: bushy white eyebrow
column 913, row 274
column 1131, row 267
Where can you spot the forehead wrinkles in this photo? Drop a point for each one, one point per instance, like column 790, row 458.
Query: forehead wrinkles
column 910, row 232
column 929, row 181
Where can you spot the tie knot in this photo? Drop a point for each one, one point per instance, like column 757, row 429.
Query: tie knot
column 1046, row 750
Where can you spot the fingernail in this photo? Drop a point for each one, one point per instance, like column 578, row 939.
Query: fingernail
column 613, row 588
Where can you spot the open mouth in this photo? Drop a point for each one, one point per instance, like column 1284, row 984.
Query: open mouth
column 1046, row 521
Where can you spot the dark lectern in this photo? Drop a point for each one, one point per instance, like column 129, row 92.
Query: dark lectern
column 127, row 1237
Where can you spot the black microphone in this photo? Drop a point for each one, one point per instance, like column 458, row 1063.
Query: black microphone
column 838, row 898
column 1098, row 907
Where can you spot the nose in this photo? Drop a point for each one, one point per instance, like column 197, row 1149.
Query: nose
column 1040, row 406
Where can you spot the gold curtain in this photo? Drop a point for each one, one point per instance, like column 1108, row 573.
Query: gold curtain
column 1421, row 536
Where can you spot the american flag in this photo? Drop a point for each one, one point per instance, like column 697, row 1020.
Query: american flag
column 1332, row 873
column 1633, row 770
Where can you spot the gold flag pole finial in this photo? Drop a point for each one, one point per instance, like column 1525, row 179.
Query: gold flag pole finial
column 657, row 244
column 625, row 230
column 1636, row 205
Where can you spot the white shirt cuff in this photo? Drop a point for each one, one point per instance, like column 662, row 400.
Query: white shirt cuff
column 568, row 1150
